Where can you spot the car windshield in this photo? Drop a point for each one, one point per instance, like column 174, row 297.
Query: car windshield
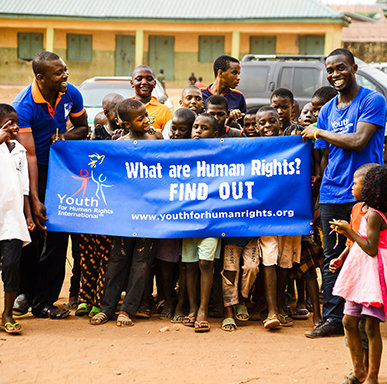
column 93, row 93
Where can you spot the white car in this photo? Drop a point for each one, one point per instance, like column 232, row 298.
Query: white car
column 95, row 89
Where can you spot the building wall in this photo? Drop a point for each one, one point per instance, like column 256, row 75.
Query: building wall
column 17, row 71
column 368, row 51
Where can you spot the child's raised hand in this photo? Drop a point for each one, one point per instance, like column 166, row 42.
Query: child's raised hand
column 235, row 114
column 5, row 133
column 334, row 264
column 340, row 226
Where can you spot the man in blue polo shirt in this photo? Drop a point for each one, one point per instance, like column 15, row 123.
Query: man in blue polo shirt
column 43, row 109
column 351, row 125
column 227, row 70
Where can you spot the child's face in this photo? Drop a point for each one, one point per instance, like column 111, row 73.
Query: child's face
column 250, row 126
column 357, row 185
column 307, row 116
column 13, row 126
column 203, row 128
column 317, row 105
column 219, row 112
column 143, row 82
column 180, row 129
column 138, row 121
column 231, row 76
column 268, row 123
column 284, row 106
column 192, row 99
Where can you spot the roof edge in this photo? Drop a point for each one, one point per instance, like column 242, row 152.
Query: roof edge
column 341, row 18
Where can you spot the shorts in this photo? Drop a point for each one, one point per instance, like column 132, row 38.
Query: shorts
column 169, row 250
column 207, row 248
column 268, row 248
column 280, row 250
column 289, row 250
column 10, row 255
column 359, row 310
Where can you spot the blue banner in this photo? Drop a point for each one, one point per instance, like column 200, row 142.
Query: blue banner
column 181, row 188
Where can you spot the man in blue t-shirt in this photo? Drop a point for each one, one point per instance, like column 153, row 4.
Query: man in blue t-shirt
column 227, row 70
column 43, row 109
column 352, row 126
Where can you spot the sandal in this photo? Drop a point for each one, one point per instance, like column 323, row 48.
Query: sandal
column 229, row 325
column 94, row 311
column 14, row 328
column 143, row 313
column 73, row 302
column 202, row 326
column 177, row 319
column 285, row 320
column 351, row 379
column 241, row 312
column 100, row 318
column 300, row 314
column 123, row 320
column 83, row 309
column 189, row 321
column 271, row 322
column 166, row 315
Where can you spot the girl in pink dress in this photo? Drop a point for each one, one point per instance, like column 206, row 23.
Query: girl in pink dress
column 362, row 280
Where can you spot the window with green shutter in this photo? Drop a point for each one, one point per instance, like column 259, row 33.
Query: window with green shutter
column 79, row 47
column 29, row 44
column 210, row 48
column 311, row 45
column 263, row 45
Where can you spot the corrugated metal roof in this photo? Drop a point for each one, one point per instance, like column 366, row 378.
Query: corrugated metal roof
column 167, row 9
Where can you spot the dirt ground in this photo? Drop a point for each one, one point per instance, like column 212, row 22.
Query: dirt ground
column 72, row 351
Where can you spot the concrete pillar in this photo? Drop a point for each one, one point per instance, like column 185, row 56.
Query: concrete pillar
column 235, row 44
column 139, row 56
column 50, row 39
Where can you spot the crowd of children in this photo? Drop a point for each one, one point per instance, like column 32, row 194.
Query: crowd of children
column 256, row 276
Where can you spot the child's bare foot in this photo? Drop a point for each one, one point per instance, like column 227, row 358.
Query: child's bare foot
column 123, row 320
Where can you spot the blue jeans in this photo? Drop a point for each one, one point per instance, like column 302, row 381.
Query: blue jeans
column 333, row 306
